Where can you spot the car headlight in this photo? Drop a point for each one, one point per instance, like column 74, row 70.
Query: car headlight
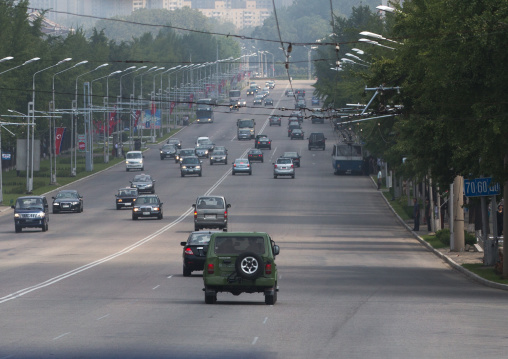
column 184, row 167
column 41, row 214
column 56, row 204
column 75, row 203
column 206, row 152
column 198, row 167
column 16, row 215
column 135, row 209
column 134, row 186
column 156, row 208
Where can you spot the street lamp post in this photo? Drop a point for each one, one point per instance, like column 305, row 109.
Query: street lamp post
column 107, row 118
column 23, row 64
column 119, row 151
column 31, row 113
column 52, row 128
column 74, row 126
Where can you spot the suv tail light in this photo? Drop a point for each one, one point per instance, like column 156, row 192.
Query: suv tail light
column 188, row 251
column 225, row 214
column 291, row 166
column 210, row 269
column 268, row 268
column 195, row 214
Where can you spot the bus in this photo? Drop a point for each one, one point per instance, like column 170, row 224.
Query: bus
column 347, row 158
column 204, row 114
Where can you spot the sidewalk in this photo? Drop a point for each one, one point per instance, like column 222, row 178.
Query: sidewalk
column 454, row 259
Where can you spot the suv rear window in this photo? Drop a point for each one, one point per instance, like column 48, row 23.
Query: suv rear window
column 210, row 203
column 237, row 245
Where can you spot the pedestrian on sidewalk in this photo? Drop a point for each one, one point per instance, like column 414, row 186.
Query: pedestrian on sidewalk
column 379, row 179
column 499, row 215
column 416, row 215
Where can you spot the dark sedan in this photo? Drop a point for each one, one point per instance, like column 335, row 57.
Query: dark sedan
column 168, row 151
column 294, row 156
column 268, row 102
column 175, row 141
column 148, row 205
column 263, row 142
column 297, row 134
column 275, row 120
column 193, row 251
column 144, row 183
column 255, row 155
column 126, row 197
column 68, row 201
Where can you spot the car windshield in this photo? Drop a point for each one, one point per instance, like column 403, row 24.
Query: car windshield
column 241, row 161
column 284, row 161
column 218, row 153
column 254, row 152
column 203, row 140
column 186, row 152
column 190, row 161
column 29, row 203
column 199, row 238
column 168, row 147
column 236, row 245
column 66, row 195
column 210, row 203
column 131, row 155
column 128, row 192
column 290, row 154
column 147, row 200
column 245, row 132
column 142, row 178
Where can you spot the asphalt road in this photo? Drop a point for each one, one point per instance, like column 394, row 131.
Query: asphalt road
column 353, row 282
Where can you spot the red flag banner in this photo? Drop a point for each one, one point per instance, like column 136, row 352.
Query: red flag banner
column 59, row 133
column 153, row 108
column 191, row 99
column 171, row 108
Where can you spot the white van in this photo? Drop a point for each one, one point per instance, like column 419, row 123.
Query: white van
column 134, row 161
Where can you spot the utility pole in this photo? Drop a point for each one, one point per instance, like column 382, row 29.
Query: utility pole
column 458, row 214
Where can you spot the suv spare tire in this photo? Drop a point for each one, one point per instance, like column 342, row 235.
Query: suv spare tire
column 249, row 265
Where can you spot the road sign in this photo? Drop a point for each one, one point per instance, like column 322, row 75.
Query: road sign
column 6, row 156
column 481, row 187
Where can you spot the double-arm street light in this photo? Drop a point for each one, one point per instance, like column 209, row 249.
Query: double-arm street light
column 367, row 41
column 52, row 127
column 31, row 114
column 377, row 36
column 23, row 64
column 74, row 125
column 107, row 118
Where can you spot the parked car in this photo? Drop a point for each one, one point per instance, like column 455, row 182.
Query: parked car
column 147, row 206
column 317, row 140
column 283, row 166
column 211, row 212
column 218, row 157
column 297, row 134
column 194, row 251
column 241, row 262
column 67, row 200
column 255, row 155
column 241, row 165
column 294, row 156
column 31, row 212
column 126, row 197
column 275, row 120
column 190, row 165
column 134, row 161
column 144, row 183
column 168, row 151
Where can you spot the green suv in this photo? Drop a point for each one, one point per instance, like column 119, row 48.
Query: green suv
column 238, row 262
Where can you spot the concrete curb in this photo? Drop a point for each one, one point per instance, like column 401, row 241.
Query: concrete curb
column 447, row 259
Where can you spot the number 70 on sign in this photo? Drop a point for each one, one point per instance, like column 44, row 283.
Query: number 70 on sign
column 481, row 187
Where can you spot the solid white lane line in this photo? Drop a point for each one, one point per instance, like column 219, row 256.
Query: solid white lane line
column 255, row 340
column 157, row 286
column 266, row 319
column 170, row 276
column 104, row 316
column 60, row 336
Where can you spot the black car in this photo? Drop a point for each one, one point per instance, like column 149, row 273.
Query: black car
column 255, row 155
column 294, row 156
column 126, row 197
column 174, row 141
column 193, row 251
column 262, row 141
column 190, row 166
column 292, row 126
column 68, row 200
column 297, row 134
column 275, row 120
column 218, row 156
column 168, row 151
column 144, row 183
column 268, row 102
column 148, row 205
column 31, row 212
column 298, row 115
column 317, row 140
column 186, row 152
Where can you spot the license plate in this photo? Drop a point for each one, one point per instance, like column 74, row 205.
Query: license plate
column 210, row 216
column 146, row 213
column 127, row 203
column 65, row 206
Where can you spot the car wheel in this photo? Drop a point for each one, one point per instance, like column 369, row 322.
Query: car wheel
column 249, row 265
column 270, row 147
column 186, row 271
column 309, row 148
column 275, row 176
column 225, row 229
column 199, row 174
column 181, row 174
column 160, row 216
column 233, row 173
column 55, row 211
column 45, row 227
column 211, row 163
column 226, row 162
column 134, row 218
column 162, row 158
column 17, row 229
column 153, row 190
column 196, row 228
column 292, row 176
column 250, row 173
column 118, row 207
column 262, row 161
column 127, row 169
column 210, row 298
column 271, row 299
